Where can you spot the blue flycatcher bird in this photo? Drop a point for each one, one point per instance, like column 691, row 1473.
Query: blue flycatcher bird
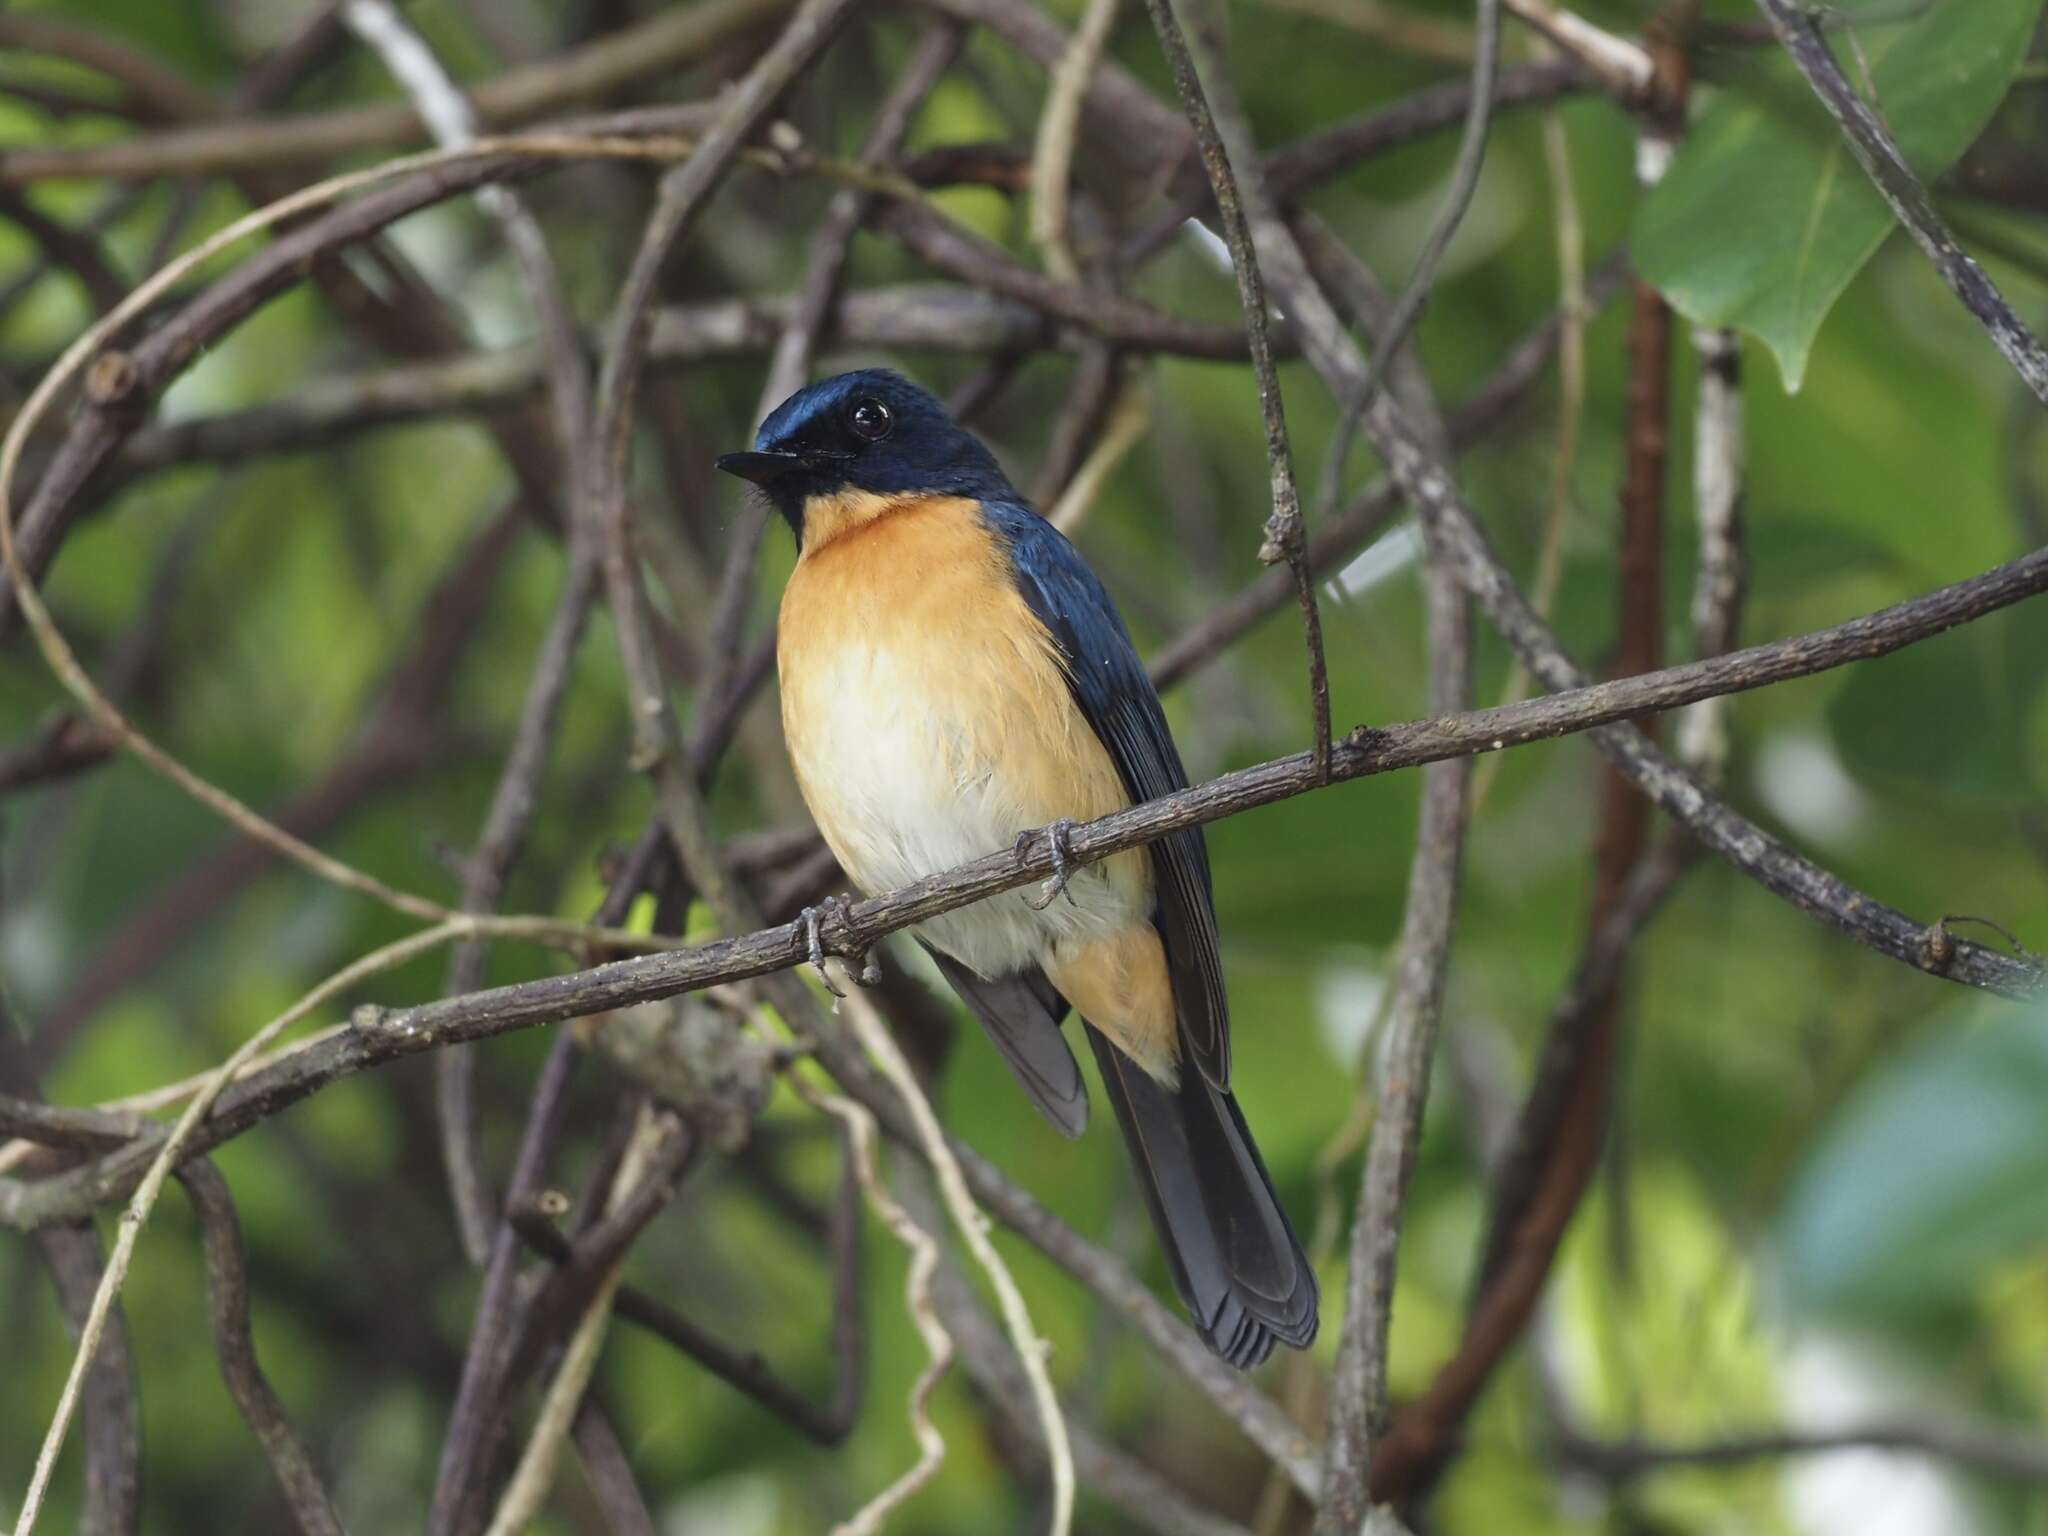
column 954, row 676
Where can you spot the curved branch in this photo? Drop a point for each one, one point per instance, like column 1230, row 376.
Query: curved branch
column 379, row 1035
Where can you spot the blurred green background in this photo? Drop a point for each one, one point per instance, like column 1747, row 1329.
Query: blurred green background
column 1826, row 1198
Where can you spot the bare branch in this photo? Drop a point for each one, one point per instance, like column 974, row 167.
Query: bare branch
column 1240, row 209
column 227, row 1281
column 1059, row 123
column 381, row 1035
column 1358, row 1387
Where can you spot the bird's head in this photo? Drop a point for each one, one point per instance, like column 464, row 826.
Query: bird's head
column 839, row 452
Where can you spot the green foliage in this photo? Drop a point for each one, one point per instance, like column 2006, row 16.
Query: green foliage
column 1934, row 1176
column 1764, row 216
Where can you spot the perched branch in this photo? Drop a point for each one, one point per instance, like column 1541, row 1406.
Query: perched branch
column 382, row 1035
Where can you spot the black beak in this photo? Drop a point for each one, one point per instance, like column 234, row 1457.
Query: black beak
column 761, row 468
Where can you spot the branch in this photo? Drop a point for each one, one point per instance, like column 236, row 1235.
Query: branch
column 940, row 317
column 1147, row 1499
column 1059, row 123
column 1358, row 1388
column 227, row 1283
column 1293, row 169
column 470, row 1436
column 743, row 1371
column 1396, row 325
column 1720, row 573
column 656, row 1133
column 1874, row 150
column 1238, row 210
column 1622, row 66
column 380, row 1035
column 453, row 121
column 815, row 303
column 1379, row 503
column 113, row 1429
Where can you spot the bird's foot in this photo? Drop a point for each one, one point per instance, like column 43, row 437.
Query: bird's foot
column 861, row 962
column 1062, row 866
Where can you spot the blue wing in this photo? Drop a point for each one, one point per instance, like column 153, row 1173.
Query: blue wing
column 1118, row 701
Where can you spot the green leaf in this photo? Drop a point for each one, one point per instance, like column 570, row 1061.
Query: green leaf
column 1937, row 1172
column 1764, row 216
column 1948, row 718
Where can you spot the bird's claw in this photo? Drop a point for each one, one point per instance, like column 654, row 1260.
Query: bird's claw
column 1062, row 867
column 869, row 969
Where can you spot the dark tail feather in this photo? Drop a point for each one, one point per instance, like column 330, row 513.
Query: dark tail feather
column 1235, row 1260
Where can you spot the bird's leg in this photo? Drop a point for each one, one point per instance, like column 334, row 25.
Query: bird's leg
column 810, row 917
column 1062, row 865
column 863, row 962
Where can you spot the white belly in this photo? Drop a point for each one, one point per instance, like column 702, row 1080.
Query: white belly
column 908, row 776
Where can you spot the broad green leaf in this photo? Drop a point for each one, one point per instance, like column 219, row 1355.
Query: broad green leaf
column 1948, row 717
column 1764, row 215
column 1937, row 1172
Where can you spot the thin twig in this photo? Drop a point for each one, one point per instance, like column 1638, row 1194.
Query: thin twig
column 816, row 306
column 534, row 1477
column 1574, row 314
column 663, row 43
column 2003, row 1451
column 1358, row 1388
column 972, row 1225
column 1130, row 414
column 1407, row 311
column 1284, row 537
column 938, row 1344
column 227, row 1281
column 1623, row 66
column 1059, row 126
column 1719, row 577
column 114, row 376
column 453, row 122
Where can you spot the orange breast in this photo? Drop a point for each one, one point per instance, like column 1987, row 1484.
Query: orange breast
column 929, row 719
column 926, row 709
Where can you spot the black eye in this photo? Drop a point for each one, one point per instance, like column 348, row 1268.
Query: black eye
column 871, row 419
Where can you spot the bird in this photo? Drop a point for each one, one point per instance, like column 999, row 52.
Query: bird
column 955, row 679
